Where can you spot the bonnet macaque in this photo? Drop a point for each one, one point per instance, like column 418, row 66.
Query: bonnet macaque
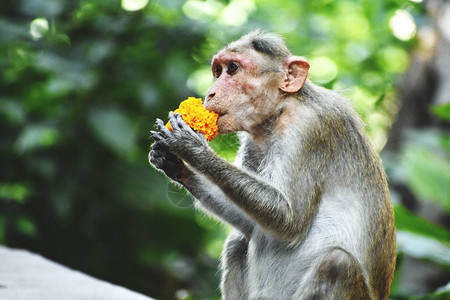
column 306, row 196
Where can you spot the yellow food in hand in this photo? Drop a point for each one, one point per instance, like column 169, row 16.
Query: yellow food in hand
column 197, row 117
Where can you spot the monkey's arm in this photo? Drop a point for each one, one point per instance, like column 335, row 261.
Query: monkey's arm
column 262, row 202
column 214, row 200
column 208, row 194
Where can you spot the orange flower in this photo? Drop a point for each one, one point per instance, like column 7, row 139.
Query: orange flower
column 197, row 117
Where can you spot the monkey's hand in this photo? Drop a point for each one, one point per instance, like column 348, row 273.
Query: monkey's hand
column 183, row 141
column 161, row 158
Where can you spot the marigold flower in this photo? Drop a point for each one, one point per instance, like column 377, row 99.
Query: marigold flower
column 197, row 117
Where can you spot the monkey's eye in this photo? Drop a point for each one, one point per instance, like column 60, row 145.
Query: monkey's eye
column 217, row 71
column 232, row 68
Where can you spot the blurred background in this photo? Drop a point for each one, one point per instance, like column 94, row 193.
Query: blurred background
column 82, row 81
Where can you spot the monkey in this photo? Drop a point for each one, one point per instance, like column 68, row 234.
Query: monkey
column 306, row 196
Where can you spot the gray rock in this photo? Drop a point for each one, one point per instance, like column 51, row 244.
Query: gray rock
column 28, row 276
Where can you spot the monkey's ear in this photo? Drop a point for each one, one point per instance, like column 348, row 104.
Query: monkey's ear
column 296, row 71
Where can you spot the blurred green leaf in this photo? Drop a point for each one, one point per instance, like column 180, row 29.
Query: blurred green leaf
column 26, row 226
column 445, row 141
column 442, row 111
column 393, row 59
column 408, row 221
column 441, row 293
column 380, row 100
column 323, row 69
column 12, row 111
column 36, row 136
column 115, row 129
column 423, row 247
column 226, row 146
column 14, row 191
column 427, row 173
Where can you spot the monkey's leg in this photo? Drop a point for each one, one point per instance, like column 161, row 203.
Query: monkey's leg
column 233, row 285
column 336, row 275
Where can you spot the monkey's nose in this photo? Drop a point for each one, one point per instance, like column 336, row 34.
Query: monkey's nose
column 210, row 95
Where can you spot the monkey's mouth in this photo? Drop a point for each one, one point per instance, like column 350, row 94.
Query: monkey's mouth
column 221, row 120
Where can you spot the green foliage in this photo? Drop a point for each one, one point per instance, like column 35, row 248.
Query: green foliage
column 428, row 174
column 422, row 165
column 82, row 83
column 407, row 221
column 14, row 191
column 442, row 111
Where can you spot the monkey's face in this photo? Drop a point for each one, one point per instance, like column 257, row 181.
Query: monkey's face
column 243, row 94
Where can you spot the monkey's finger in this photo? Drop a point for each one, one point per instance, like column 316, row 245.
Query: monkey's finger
column 200, row 135
column 157, row 136
column 173, row 121
column 162, row 128
column 181, row 123
column 183, row 126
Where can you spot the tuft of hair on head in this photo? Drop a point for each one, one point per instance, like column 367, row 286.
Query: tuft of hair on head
column 268, row 43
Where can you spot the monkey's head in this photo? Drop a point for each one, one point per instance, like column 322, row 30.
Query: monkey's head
column 252, row 77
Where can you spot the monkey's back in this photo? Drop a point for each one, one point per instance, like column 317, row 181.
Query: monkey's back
column 362, row 172
column 355, row 211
